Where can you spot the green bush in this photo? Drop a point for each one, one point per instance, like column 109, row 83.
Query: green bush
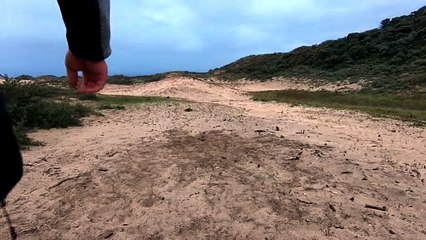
column 46, row 114
column 37, row 106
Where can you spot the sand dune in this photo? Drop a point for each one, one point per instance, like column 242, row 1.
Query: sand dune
column 230, row 169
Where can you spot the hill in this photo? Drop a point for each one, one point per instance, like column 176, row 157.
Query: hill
column 391, row 57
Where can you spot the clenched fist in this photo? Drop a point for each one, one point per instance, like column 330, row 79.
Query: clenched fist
column 95, row 74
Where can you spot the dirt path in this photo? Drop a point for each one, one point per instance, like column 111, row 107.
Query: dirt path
column 230, row 169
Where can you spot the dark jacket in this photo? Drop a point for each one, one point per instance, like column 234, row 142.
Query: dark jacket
column 88, row 28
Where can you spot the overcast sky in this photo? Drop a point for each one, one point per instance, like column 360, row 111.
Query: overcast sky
column 150, row 36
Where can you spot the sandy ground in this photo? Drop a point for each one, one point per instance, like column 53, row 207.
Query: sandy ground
column 230, row 169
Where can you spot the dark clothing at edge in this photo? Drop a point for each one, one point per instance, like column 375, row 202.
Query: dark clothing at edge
column 11, row 161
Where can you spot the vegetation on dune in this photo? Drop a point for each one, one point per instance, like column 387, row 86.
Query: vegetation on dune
column 114, row 79
column 119, row 102
column 407, row 108
column 46, row 105
column 393, row 57
column 40, row 106
column 126, row 80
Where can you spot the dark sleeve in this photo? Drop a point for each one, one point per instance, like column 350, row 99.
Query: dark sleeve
column 10, row 158
column 88, row 28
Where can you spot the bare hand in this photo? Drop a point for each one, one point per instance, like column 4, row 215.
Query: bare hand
column 95, row 74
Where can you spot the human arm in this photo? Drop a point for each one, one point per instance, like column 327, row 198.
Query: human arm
column 88, row 36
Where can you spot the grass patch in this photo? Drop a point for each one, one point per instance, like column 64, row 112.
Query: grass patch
column 126, row 100
column 118, row 102
column 404, row 107
column 111, row 107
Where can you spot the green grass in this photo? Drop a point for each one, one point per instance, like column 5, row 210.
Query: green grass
column 404, row 107
column 118, row 102
column 125, row 100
